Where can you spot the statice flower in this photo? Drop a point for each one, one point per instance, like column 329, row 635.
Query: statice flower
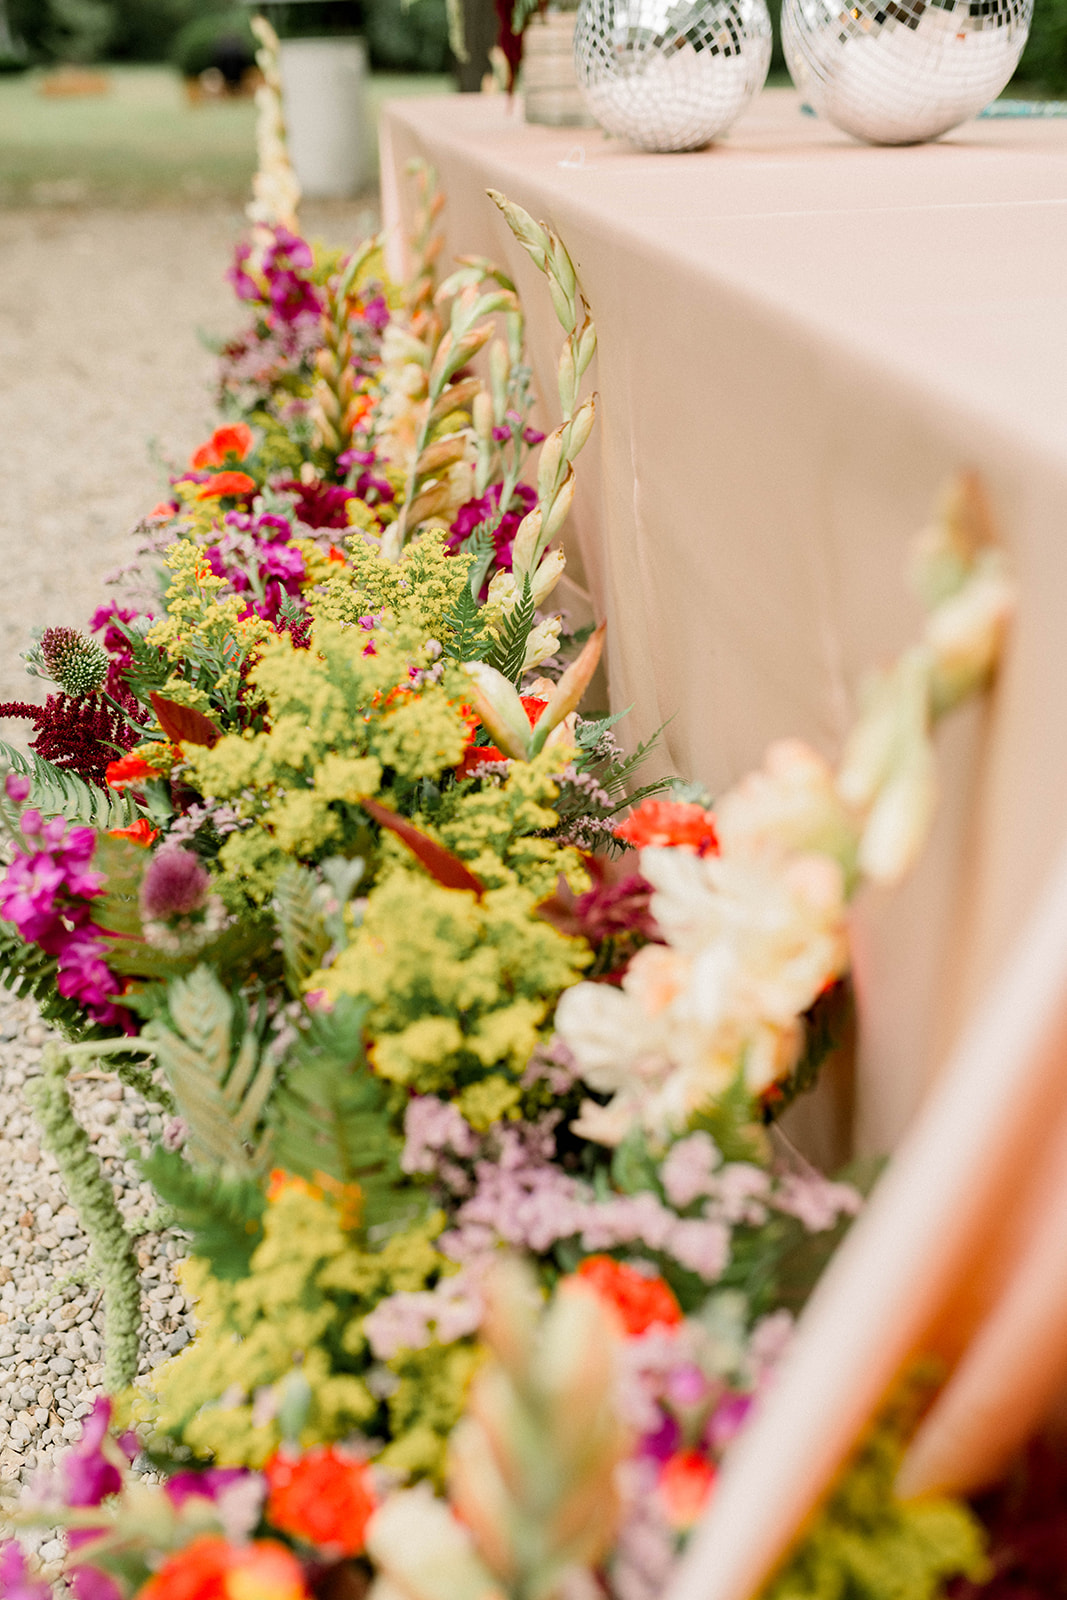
column 431, row 1127
column 452, row 1310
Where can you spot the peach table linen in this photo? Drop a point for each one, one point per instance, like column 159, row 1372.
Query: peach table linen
column 800, row 339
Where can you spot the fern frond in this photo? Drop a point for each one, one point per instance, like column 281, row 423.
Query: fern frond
column 465, row 633
column 508, row 654
column 330, row 1117
column 57, row 792
column 304, row 936
column 221, row 1214
column 221, row 1093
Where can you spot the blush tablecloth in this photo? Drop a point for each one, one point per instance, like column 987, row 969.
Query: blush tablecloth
column 800, row 339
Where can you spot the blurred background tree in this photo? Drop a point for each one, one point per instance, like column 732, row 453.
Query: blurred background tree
column 400, row 37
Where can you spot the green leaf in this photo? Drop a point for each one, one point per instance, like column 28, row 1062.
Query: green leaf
column 222, row 1215
column 217, row 1072
column 57, row 792
column 330, row 1116
column 304, row 935
column 465, row 634
column 508, row 654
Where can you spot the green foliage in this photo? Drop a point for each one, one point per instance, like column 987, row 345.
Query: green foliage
column 304, row 935
column 211, row 40
column 218, row 1073
column 465, row 636
column 59, row 793
column 509, row 651
column 222, row 1215
column 331, row 1116
column 867, row 1545
column 1044, row 60
column 94, row 1200
column 406, row 37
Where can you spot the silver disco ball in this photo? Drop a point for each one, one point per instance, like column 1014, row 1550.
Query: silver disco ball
column 900, row 71
column 671, row 76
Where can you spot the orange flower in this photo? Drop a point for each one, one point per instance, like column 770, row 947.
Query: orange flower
column 671, row 822
column 129, row 770
column 165, row 508
column 474, row 755
column 323, row 1497
column 139, row 832
column 685, row 1486
column 211, row 1569
column 235, row 439
column 639, row 1303
column 226, row 483
column 336, row 555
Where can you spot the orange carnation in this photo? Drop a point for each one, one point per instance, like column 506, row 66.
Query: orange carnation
column 685, row 1486
column 129, row 770
column 235, row 439
column 638, row 1303
column 140, row 832
column 226, row 483
column 671, row 822
column 323, row 1496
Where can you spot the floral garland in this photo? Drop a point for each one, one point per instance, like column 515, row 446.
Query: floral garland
column 407, row 1035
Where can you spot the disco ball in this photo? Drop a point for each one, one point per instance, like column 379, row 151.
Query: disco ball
column 900, row 71
column 671, row 76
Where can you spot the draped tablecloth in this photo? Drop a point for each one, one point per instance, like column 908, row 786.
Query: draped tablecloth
column 800, row 338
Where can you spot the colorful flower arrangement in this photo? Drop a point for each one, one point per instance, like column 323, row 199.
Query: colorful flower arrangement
column 471, row 1131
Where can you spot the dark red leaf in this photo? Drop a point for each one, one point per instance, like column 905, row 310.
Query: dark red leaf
column 183, row 723
column 441, row 864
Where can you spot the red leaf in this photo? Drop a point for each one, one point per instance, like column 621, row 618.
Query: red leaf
column 441, row 864
column 182, row 723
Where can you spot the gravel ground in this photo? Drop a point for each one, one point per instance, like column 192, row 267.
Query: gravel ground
column 99, row 357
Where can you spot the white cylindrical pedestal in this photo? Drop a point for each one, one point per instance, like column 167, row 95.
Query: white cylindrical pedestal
column 323, row 97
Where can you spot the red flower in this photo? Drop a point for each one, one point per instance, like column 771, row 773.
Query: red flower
column 139, row 832
column 639, row 1303
column 685, row 1486
column 336, row 555
column 129, row 770
column 226, row 483
column 671, row 822
column 236, row 439
column 323, row 1497
column 475, row 755
column 211, row 1569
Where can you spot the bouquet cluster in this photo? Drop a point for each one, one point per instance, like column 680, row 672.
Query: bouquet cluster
column 469, row 1127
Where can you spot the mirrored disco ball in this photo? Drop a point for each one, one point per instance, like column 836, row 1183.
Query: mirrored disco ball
column 671, row 76
column 899, row 71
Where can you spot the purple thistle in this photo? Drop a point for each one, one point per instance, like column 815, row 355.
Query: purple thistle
column 175, row 884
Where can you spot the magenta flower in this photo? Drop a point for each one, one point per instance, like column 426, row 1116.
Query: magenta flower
column 209, row 1485
column 483, row 509
column 16, row 1580
column 17, row 789
column 175, row 884
column 88, row 1476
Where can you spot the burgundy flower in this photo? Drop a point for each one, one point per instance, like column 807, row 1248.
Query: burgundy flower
column 175, row 884
column 608, row 910
column 320, row 505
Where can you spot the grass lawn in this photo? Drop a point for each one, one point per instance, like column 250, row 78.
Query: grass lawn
column 141, row 143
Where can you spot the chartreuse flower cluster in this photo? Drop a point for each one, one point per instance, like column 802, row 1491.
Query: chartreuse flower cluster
column 286, row 1348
